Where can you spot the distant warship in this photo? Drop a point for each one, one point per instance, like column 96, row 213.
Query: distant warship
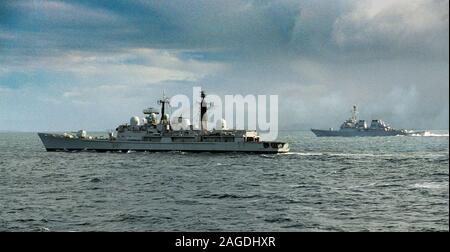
column 353, row 127
column 151, row 134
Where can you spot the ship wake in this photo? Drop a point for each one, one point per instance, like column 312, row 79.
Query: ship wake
column 430, row 134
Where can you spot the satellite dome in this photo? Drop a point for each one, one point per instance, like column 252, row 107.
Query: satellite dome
column 186, row 123
column 221, row 124
column 81, row 134
column 134, row 121
column 180, row 123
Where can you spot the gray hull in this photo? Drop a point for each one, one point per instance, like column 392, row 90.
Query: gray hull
column 57, row 142
column 359, row 133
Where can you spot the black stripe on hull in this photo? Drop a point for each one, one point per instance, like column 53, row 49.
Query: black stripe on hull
column 191, row 151
column 336, row 133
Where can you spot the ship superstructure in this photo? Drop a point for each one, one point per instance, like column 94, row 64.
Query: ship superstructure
column 155, row 132
column 354, row 127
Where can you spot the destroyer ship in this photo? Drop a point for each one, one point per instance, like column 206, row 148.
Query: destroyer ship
column 353, row 127
column 159, row 134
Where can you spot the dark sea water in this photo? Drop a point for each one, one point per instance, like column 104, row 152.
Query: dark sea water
column 324, row 184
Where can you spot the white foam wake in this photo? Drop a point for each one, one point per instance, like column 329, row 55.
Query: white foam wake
column 430, row 185
column 430, row 134
column 369, row 155
column 304, row 153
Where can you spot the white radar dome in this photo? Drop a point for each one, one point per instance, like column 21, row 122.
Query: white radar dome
column 181, row 123
column 186, row 123
column 135, row 121
column 81, row 134
column 221, row 124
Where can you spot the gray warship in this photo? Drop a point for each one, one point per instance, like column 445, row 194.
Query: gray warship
column 153, row 134
column 353, row 127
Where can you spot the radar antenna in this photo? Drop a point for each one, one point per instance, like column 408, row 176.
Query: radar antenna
column 354, row 113
column 203, row 109
column 163, row 103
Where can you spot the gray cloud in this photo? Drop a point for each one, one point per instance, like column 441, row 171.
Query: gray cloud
column 390, row 57
column 253, row 28
column 395, row 28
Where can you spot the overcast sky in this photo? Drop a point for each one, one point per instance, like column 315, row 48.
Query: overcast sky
column 66, row 65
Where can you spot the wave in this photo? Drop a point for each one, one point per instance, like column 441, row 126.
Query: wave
column 230, row 196
column 338, row 154
column 304, row 153
column 375, row 155
column 431, row 185
column 430, row 134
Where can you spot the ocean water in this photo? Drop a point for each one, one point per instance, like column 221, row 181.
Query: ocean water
column 323, row 184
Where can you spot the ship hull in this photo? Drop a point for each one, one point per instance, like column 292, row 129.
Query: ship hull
column 360, row 133
column 56, row 142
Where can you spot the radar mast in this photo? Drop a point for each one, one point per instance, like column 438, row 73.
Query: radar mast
column 203, row 110
column 354, row 113
column 163, row 103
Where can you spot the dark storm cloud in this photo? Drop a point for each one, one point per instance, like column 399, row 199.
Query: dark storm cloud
column 256, row 28
column 236, row 27
column 391, row 57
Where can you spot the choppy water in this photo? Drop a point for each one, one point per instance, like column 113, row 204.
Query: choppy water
column 324, row 184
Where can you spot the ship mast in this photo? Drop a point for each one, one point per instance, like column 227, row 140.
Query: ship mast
column 354, row 113
column 203, row 109
column 163, row 103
